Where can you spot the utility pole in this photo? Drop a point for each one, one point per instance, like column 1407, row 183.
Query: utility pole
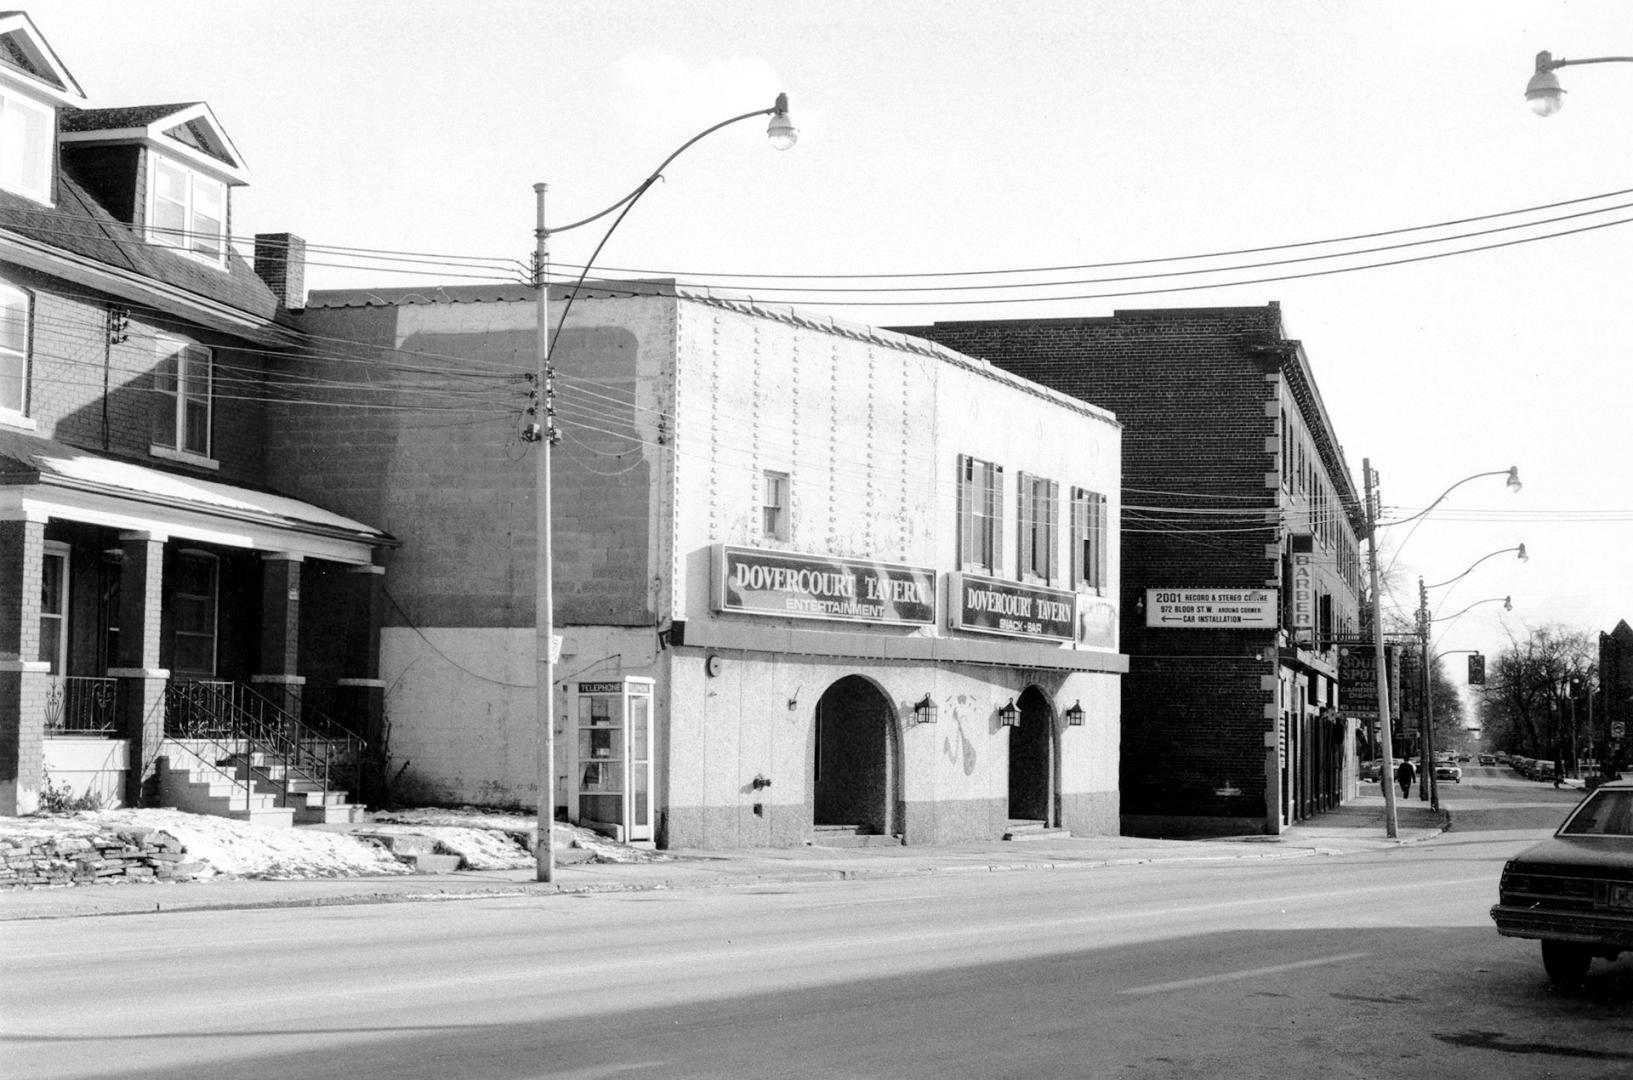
column 544, row 432
column 1427, row 787
column 1391, row 822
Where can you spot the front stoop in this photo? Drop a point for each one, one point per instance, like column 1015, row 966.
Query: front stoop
column 200, row 790
column 190, row 781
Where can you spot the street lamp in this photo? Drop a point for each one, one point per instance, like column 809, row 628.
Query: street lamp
column 1543, row 90
column 1428, row 788
column 542, row 430
column 1381, row 659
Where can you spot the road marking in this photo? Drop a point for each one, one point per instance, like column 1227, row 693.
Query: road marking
column 1236, row 976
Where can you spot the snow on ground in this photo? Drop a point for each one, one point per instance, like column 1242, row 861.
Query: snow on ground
column 486, row 839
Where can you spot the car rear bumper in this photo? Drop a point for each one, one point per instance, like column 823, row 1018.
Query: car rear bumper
column 1605, row 929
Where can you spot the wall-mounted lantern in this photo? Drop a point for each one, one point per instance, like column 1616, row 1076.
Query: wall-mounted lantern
column 1009, row 715
column 924, row 712
column 1074, row 715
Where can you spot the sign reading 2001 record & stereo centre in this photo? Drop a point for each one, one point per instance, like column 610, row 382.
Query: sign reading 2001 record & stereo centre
column 759, row 582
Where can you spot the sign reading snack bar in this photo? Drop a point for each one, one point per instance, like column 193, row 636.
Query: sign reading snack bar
column 758, row 582
column 1008, row 607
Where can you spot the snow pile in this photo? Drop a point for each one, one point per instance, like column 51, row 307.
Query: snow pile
column 451, row 826
column 237, row 849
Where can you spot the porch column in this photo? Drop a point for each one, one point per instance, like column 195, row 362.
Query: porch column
column 142, row 680
column 280, row 632
column 24, row 679
column 367, row 689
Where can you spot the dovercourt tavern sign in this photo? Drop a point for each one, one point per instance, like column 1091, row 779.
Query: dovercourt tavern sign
column 759, row 582
column 1009, row 607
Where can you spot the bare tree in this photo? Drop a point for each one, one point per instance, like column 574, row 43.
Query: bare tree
column 1531, row 702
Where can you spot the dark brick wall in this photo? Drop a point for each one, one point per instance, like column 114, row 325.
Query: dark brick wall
column 1190, row 387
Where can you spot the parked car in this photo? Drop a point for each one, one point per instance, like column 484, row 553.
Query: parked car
column 1488, row 759
column 1574, row 892
column 1503, row 757
column 1448, row 770
column 1541, row 770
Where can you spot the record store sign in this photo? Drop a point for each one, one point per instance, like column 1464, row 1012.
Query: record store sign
column 754, row 581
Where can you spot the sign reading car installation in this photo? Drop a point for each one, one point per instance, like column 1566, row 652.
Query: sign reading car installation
column 758, row 582
column 1211, row 609
column 1008, row 607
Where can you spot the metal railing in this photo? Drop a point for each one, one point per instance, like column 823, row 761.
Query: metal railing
column 82, row 705
column 236, row 720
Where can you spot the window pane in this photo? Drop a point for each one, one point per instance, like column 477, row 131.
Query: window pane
column 25, row 147
column 208, row 200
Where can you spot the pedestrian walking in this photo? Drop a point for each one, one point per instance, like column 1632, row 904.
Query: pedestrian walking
column 1559, row 771
column 1405, row 774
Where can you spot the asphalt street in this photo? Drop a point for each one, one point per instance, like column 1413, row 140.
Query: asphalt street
column 1380, row 961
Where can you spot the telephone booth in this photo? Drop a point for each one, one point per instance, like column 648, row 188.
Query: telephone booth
column 611, row 776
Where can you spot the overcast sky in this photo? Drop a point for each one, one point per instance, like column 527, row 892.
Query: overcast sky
column 944, row 137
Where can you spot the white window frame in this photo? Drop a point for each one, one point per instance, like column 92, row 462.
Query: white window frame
column 23, row 358
column 980, row 516
column 1089, row 536
column 774, row 504
column 193, row 235
column 55, row 550
column 16, row 112
column 175, row 388
column 1038, row 515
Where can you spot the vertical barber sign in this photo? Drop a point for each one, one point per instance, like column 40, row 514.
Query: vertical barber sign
column 1303, row 596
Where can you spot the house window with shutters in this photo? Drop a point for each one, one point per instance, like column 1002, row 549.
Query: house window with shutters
column 980, row 493
column 1088, row 540
column 1039, row 518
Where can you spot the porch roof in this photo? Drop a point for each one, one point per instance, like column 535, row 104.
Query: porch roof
column 50, row 478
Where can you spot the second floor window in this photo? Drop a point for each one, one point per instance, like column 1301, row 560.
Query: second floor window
column 26, row 132
column 15, row 309
column 980, row 494
column 181, row 412
column 187, row 211
column 774, row 505
column 1088, row 539
column 1039, row 517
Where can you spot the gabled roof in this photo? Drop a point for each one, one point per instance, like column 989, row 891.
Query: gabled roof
column 186, row 129
column 25, row 55
column 78, row 226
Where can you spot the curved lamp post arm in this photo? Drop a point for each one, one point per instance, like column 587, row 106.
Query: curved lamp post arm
column 780, row 109
column 782, row 133
column 1512, row 472
column 1502, row 551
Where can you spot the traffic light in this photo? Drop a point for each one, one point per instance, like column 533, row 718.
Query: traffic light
column 1477, row 670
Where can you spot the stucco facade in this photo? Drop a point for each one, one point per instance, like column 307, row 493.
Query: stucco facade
column 770, row 516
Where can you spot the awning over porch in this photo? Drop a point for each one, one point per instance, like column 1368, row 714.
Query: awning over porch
column 44, row 478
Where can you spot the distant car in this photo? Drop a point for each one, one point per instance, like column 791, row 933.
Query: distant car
column 1541, row 770
column 1488, row 759
column 1448, row 770
column 1502, row 756
column 1371, row 770
column 1574, row 892
column 1462, row 757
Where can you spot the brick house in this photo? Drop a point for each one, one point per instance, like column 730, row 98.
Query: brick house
column 160, row 606
column 1238, row 505
column 813, row 580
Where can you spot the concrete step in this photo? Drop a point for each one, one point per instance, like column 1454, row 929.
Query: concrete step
column 851, row 836
column 1022, row 830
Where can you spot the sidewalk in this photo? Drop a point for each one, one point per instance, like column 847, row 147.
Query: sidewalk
column 1357, row 826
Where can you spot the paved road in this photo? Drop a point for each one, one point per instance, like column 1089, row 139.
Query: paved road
column 1380, row 964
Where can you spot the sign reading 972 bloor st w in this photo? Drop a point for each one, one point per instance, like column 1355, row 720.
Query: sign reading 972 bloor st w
column 1211, row 609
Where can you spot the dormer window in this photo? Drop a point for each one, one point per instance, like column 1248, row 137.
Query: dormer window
column 26, row 130
column 187, row 210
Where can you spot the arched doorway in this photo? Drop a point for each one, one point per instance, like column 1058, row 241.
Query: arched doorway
column 1032, row 760
column 854, row 759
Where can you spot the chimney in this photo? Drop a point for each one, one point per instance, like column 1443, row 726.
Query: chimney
column 280, row 261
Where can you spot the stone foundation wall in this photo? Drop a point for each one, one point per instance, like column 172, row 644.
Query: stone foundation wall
column 105, row 857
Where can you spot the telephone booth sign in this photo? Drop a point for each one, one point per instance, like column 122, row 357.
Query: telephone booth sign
column 612, row 769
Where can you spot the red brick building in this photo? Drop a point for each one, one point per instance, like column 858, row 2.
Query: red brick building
column 155, row 593
column 1240, row 559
